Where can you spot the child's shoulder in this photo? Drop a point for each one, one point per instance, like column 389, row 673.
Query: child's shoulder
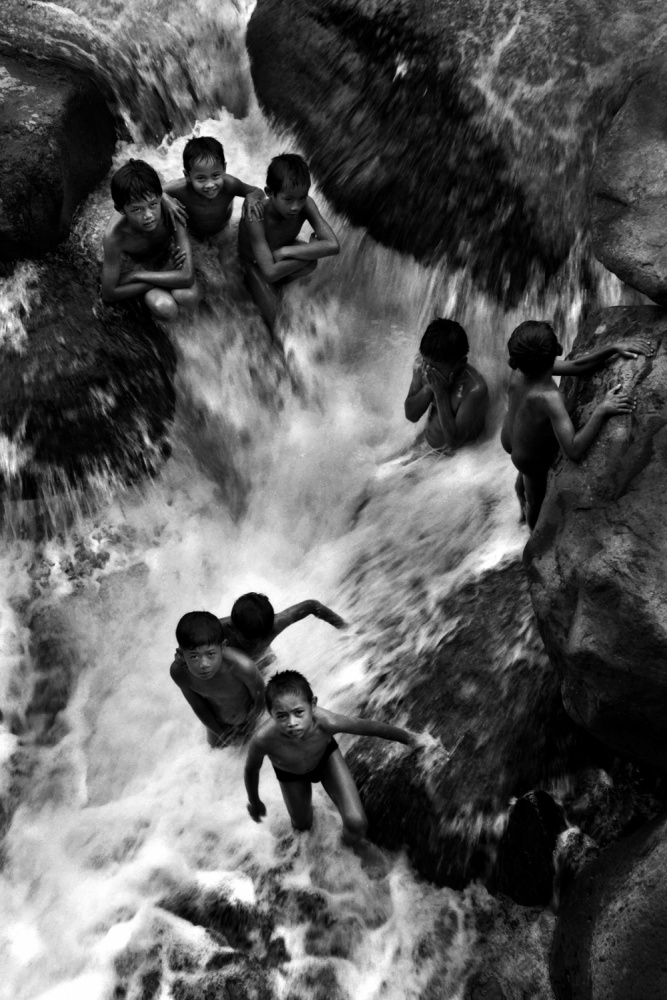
column 116, row 228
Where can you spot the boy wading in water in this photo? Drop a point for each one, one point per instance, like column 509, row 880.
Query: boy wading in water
column 537, row 422
column 144, row 256
column 271, row 254
column 454, row 393
column 222, row 686
column 299, row 742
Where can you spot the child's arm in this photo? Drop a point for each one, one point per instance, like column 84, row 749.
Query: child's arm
column 593, row 359
column 247, row 672
column 468, row 421
column 171, row 203
column 253, row 205
column 183, row 275
column 323, row 242
column 575, row 444
column 368, row 727
column 297, row 612
column 253, row 765
column 419, row 396
column 111, row 290
column 199, row 705
column 263, row 254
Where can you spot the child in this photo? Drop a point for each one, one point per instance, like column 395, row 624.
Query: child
column 298, row 740
column 222, row 686
column 537, row 421
column 207, row 193
column 271, row 254
column 443, row 380
column 143, row 255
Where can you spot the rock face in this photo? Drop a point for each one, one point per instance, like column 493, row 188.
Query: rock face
column 57, row 138
column 610, row 937
column 628, row 189
column 596, row 561
column 84, row 391
column 454, row 129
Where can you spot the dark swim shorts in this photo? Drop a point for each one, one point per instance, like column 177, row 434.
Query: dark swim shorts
column 312, row 776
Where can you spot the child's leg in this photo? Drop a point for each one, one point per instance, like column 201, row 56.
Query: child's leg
column 520, row 491
column 307, row 267
column 162, row 304
column 340, row 787
column 266, row 295
column 187, row 298
column 535, row 487
column 298, row 797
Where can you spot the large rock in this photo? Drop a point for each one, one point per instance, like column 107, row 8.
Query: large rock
column 457, row 129
column 610, row 937
column 628, row 189
column 57, row 138
column 596, row 560
column 85, row 392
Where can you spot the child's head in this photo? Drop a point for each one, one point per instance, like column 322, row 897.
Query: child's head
column 533, row 348
column 288, row 684
column 287, row 183
column 252, row 616
column 134, row 183
column 200, row 637
column 204, row 165
column 444, row 346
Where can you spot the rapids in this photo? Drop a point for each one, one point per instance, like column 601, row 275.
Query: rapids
column 116, row 811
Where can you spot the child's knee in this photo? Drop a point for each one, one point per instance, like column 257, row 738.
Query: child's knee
column 356, row 826
column 188, row 297
column 162, row 305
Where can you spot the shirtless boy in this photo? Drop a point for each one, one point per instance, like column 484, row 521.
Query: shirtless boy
column 454, row 393
column 144, row 257
column 537, row 421
column 299, row 742
column 271, row 254
column 207, row 192
column 222, row 686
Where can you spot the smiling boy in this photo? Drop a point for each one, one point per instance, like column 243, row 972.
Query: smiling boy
column 299, row 742
column 271, row 254
column 222, row 686
column 454, row 393
column 144, row 257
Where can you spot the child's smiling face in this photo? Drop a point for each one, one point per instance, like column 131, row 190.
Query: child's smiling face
column 293, row 714
column 206, row 177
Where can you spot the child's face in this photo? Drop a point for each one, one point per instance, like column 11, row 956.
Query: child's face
column 293, row 714
column 289, row 201
column 203, row 661
column 206, row 177
column 448, row 369
column 144, row 214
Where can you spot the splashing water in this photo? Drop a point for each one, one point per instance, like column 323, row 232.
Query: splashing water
column 122, row 825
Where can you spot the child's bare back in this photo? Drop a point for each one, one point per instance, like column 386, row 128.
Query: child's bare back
column 527, row 432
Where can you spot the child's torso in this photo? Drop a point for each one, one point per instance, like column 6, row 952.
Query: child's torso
column 206, row 217
column 527, row 433
column 278, row 233
column 463, row 387
column 148, row 249
column 297, row 756
column 229, row 697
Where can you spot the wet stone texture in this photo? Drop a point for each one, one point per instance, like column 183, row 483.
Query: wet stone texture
column 456, row 129
column 57, row 138
column 596, row 562
column 86, row 392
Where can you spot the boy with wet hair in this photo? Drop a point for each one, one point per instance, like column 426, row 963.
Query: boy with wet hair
column 454, row 393
column 271, row 255
column 537, row 422
column 206, row 195
column 299, row 742
column 145, row 256
column 222, row 686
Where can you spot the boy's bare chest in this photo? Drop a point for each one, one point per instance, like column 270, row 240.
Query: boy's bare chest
column 207, row 217
column 282, row 232
column 145, row 246
column 298, row 756
column 223, row 688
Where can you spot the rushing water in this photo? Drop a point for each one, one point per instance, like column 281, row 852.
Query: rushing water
column 121, row 807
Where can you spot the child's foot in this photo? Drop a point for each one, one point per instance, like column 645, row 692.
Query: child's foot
column 373, row 861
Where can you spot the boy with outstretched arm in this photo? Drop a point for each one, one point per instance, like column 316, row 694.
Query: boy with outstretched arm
column 222, row 686
column 537, row 422
column 206, row 192
column 454, row 393
column 299, row 741
column 145, row 256
column 271, row 255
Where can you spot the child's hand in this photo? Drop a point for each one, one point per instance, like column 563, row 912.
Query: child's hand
column 617, row 401
column 635, row 347
column 329, row 616
column 175, row 211
column 253, row 206
column 180, row 257
column 256, row 810
column 436, row 382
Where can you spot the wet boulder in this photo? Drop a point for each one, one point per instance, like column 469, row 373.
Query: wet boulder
column 628, row 189
column 596, row 560
column 57, row 138
column 610, row 937
column 457, row 130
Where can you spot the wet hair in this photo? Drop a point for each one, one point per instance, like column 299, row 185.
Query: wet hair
column 203, row 148
column 253, row 616
column 287, row 682
column 199, row 628
column 533, row 348
column 287, row 170
column 134, row 181
column 444, row 340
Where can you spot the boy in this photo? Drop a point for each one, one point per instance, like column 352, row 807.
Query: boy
column 207, row 193
column 298, row 740
column 143, row 255
column 222, row 686
column 271, row 254
column 537, row 421
column 454, row 393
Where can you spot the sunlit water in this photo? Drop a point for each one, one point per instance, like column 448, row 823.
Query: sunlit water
column 122, row 805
